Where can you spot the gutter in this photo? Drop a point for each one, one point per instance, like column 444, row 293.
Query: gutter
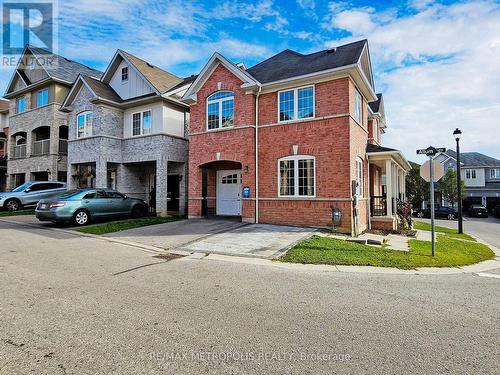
column 257, row 155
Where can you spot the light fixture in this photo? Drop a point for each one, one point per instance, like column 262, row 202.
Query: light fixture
column 457, row 134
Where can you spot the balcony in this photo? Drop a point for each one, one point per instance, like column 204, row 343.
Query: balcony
column 19, row 152
column 41, row 147
column 63, row 147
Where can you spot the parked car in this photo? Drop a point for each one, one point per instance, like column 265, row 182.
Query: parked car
column 82, row 206
column 478, row 210
column 496, row 211
column 29, row 193
column 439, row 212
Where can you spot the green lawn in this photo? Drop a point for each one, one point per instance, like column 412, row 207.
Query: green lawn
column 450, row 252
column 16, row 213
column 449, row 231
column 115, row 226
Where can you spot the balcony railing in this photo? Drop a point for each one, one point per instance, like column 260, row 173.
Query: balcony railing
column 379, row 206
column 63, row 146
column 19, row 151
column 41, row 147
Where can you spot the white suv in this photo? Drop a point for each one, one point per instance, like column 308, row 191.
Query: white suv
column 29, row 193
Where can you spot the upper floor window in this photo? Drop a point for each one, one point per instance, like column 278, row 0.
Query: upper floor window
column 296, row 176
column 220, row 110
column 470, row 174
column 359, row 177
column 21, row 104
column 495, row 173
column 125, row 73
column 358, row 108
column 141, row 123
column 296, row 104
column 84, row 124
column 42, row 97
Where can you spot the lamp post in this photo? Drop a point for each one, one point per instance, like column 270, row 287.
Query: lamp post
column 457, row 133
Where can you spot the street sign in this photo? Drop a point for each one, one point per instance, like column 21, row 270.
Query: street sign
column 425, row 170
column 431, row 151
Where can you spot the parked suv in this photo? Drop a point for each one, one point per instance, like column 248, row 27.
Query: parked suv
column 29, row 193
column 439, row 212
column 478, row 210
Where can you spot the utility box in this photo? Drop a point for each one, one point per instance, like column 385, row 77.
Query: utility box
column 336, row 217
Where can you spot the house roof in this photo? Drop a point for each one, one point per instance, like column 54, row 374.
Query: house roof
column 375, row 106
column 374, row 148
column 474, row 159
column 160, row 79
column 102, row 90
column 63, row 68
column 184, row 82
column 288, row 64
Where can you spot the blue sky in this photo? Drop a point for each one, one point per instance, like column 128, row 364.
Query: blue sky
column 437, row 62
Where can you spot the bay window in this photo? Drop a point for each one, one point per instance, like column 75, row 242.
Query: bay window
column 220, row 110
column 84, row 124
column 141, row 123
column 296, row 176
column 296, row 104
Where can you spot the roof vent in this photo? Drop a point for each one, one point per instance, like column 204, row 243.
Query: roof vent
column 241, row 66
column 331, row 50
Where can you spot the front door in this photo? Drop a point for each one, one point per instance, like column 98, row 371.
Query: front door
column 173, row 192
column 229, row 193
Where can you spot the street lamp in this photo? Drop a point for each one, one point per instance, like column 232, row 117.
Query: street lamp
column 457, row 133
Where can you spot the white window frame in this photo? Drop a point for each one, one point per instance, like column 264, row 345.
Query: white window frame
column 23, row 99
column 141, row 113
column 358, row 102
column 296, row 104
column 470, row 174
column 495, row 173
column 126, row 73
column 359, row 176
column 296, row 159
column 87, row 129
column 38, row 105
column 219, row 101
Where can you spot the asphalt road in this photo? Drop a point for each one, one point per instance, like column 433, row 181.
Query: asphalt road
column 488, row 229
column 74, row 305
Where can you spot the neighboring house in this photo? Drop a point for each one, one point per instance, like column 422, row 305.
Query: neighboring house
column 316, row 144
column 38, row 129
column 481, row 174
column 4, row 148
column 128, row 131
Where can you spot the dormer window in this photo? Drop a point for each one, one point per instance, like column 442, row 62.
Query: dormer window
column 125, row 73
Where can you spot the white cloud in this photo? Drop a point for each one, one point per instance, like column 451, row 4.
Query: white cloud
column 306, row 4
column 438, row 69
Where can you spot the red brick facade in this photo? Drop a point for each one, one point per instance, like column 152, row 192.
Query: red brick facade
column 333, row 138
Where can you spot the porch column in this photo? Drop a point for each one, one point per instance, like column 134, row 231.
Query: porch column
column 389, row 186
column 101, row 173
column 161, row 186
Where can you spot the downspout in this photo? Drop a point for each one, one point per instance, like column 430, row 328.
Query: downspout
column 257, row 156
column 370, row 186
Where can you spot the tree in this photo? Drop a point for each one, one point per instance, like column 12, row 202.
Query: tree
column 417, row 189
column 448, row 187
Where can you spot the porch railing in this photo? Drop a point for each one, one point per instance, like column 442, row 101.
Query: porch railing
column 19, row 151
column 378, row 205
column 41, row 147
column 63, row 146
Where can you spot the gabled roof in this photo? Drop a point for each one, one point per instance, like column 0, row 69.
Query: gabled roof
column 474, row 159
column 288, row 64
column 375, row 106
column 160, row 80
column 99, row 89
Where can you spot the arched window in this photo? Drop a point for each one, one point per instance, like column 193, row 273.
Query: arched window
column 84, row 124
column 297, row 176
column 220, row 110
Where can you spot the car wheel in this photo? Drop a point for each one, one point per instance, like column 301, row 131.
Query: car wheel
column 12, row 205
column 420, row 215
column 451, row 217
column 81, row 217
column 138, row 211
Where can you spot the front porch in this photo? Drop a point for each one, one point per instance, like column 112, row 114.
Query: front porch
column 388, row 169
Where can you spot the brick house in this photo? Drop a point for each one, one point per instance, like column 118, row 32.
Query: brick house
column 127, row 131
column 291, row 137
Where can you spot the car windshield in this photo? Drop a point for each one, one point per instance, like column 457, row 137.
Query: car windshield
column 21, row 187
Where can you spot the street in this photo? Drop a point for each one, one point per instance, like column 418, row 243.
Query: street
column 79, row 305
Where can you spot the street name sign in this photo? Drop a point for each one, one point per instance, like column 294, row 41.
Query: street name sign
column 431, row 151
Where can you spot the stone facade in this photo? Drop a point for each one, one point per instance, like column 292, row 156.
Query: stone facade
column 136, row 160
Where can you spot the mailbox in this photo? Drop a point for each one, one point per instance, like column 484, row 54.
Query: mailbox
column 246, row 192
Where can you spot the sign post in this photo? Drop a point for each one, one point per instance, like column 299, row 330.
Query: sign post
column 430, row 177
